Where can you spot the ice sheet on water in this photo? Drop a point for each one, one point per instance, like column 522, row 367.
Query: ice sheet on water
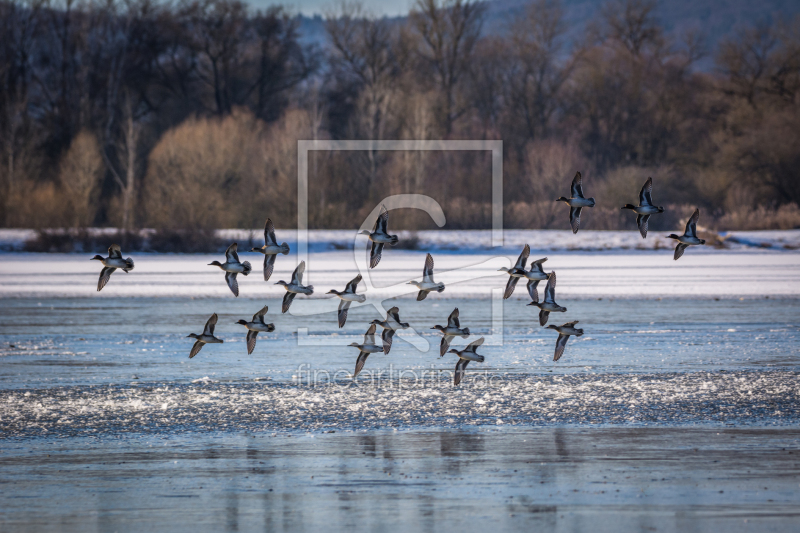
column 747, row 398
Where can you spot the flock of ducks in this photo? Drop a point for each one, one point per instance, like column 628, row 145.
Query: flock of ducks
column 379, row 236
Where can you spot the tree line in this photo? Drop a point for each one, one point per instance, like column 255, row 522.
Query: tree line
column 186, row 116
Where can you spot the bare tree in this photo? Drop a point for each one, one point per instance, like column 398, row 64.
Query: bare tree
column 449, row 30
column 79, row 174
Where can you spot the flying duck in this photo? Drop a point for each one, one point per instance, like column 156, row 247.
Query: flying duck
column 295, row 287
column 427, row 284
column 365, row 349
column 645, row 207
column 111, row 263
column 534, row 276
column 254, row 326
column 379, row 237
column 348, row 295
column 576, row 202
column 452, row 330
column 464, row 357
column 689, row 236
column 207, row 337
column 390, row 325
column 516, row 272
column 549, row 304
column 271, row 249
column 232, row 266
column 564, row 331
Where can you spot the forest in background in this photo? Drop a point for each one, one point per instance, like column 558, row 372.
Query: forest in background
column 184, row 117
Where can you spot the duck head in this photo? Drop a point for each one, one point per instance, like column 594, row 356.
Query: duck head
column 376, row 322
column 98, row 257
column 453, row 351
column 502, row 269
column 365, row 232
column 354, row 345
column 562, row 199
column 438, row 327
column 215, row 263
column 628, row 206
column 281, row 282
column 333, row 291
column 672, row 236
column 191, row 336
column 551, row 326
column 242, row 322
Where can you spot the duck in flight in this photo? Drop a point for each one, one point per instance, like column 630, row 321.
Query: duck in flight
column 451, row 331
column 464, row 357
column 379, row 236
column 564, row 332
column 271, row 249
column 645, row 207
column 295, row 287
column 254, row 326
column 232, row 267
column 576, row 202
column 549, row 304
column 348, row 296
column 427, row 284
column 534, row 276
column 207, row 337
column 689, row 237
column 112, row 263
column 390, row 326
column 516, row 272
column 365, row 349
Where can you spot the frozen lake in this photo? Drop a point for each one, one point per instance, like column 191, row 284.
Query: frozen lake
column 682, row 396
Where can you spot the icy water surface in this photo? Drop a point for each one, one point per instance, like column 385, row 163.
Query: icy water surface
column 676, row 411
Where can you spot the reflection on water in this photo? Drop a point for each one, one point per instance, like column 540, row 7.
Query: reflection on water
column 563, row 479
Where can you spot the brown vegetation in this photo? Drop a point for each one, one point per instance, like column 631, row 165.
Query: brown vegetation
column 186, row 117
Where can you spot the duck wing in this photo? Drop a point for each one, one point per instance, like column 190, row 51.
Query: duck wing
column 259, row 317
column 394, row 314
column 287, row 301
column 386, row 337
column 474, row 345
column 383, row 220
column 569, row 324
column 375, row 254
column 421, row 295
column 561, row 342
column 230, row 277
column 543, row 315
column 210, row 325
column 646, row 194
column 461, row 367
column 362, row 358
column 198, row 345
column 550, row 288
column 269, row 234
column 523, row 258
column 445, row 344
column 105, row 275
column 344, row 306
column 231, row 255
column 251, row 340
column 532, row 290
column 691, row 225
column 641, row 222
column 511, row 284
column 269, row 265
column 576, row 191
column 537, row 265
column 427, row 270
column 679, row 250
column 369, row 336
column 297, row 276
column 452, row 320
column 352, row 285
column 575, row 218
column 114, row 252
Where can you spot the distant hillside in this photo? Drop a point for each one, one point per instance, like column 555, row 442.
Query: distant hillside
column 717, row 18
